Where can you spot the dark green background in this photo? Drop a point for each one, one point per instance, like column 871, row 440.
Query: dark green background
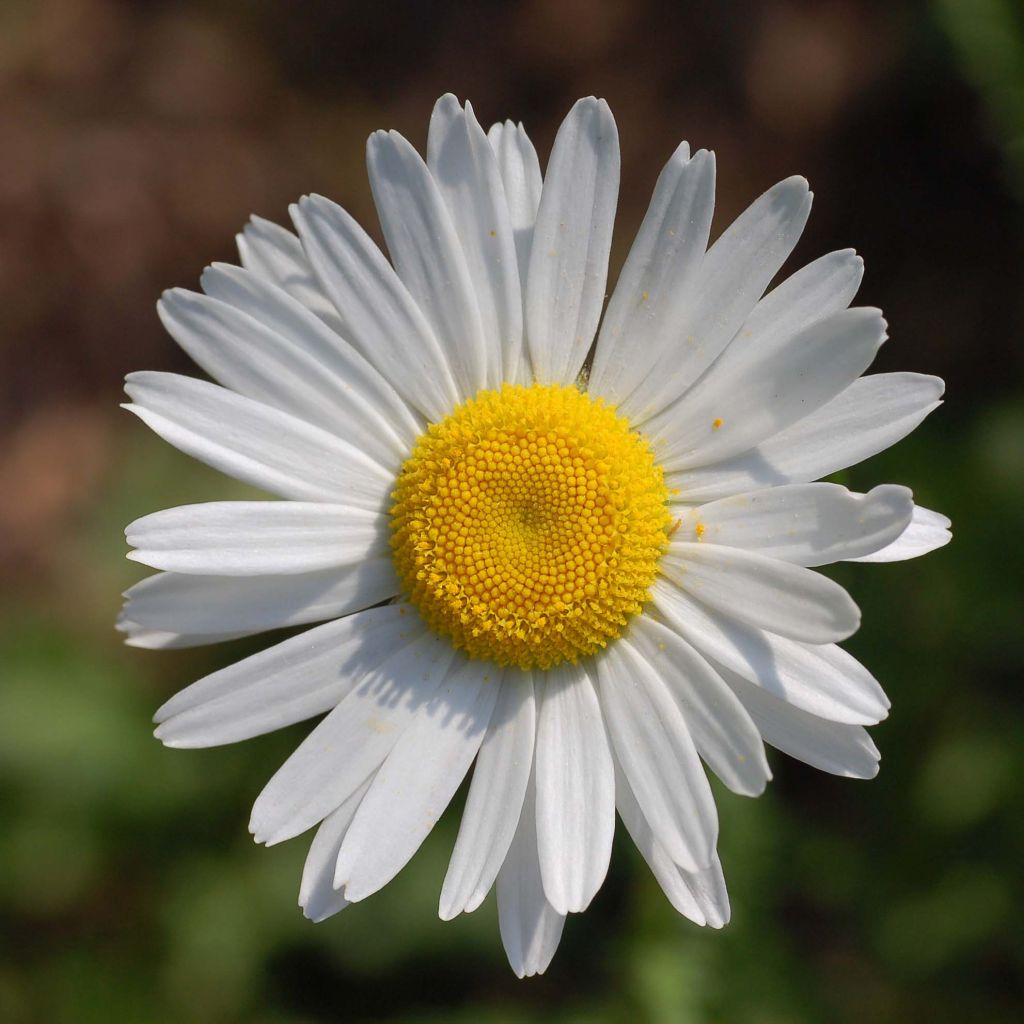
column 134, row 140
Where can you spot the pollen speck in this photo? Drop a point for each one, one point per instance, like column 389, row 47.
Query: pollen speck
column 716, row 424
column 700, row 529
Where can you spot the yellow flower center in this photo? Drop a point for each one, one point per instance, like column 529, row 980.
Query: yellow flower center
column 528, row 525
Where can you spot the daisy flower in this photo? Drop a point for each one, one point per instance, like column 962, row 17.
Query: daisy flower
column 577, row 561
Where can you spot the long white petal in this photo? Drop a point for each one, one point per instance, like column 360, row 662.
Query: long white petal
column 148, row 638
column 699, row 895
column 732, row 277
column 425, row 250
column 830, row 746
column 572, row 237
column 520, row 173
column 466, row 171
column 656, row 288
column 722, row 731
column 926, row 532
column 317, row 896
column 418, row 780
column 870, row 415
column 380, row 317
column 807, row 524
column 255, row 443
column 530, row 927
column 365, row 394
column 575, row 789
column 740, row 402
column 822, row 679
column 180, row 603
column 274, row 254
column 253, row 538
column 495, row 798
column 352, row 741
column 296, row 679
column 653, row 744
column 763, row 592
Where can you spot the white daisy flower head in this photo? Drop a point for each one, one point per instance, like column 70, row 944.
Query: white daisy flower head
column 577, row 561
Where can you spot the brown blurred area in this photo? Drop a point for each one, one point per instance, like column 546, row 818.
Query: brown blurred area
column 137, row 137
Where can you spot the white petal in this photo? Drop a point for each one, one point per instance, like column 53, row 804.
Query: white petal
column 732, row 277
column 701, row 896
column 819, row 678
column 425, row 250
column 317, row 895
column 831, row 746
column 763, row 592
column 252, row 538
column 575, row 790
column 167, row 640
column 369, row 404
column 722, row 731
column 653, row 744
column 530, row 927
column 352, row 741
column 380, row 317
column 303, row 676
column 572, row 238
column 179, row 603
column 466, row 171
column 274, row 254
column 807, row 524
column 417, row 781
column 655, row 291
column 742, row 401
column 255, row 443
column 870, row 415
column 520, row 173
column 495, row 798
column 927, row 531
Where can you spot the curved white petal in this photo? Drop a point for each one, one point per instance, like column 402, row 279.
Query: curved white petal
column 575, row 789
column 807, row 524
column 418, row 779
column 656, row 289
column 699, row 895
column 572, row 236
column 274, row 254
column 237, row 605
column 255, row 443
column 352, row 741
column 763, row 592
column 148, row 638
column 822, row 679
column 520, row 173
column 380, row 317
column 741, row 401
column 317, row 896
column 872, row 414
column 495, row 798
column 653, row 744
column 530, row 927
column 465, row 168
column 363, row 393
column 425, row 250
column 252, row 538
column 722, row 731
column 830, row 746
column 927, row 531
column 732, row 277
column 300, row 677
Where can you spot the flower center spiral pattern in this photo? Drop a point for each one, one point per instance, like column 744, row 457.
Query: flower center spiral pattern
column 528, row 525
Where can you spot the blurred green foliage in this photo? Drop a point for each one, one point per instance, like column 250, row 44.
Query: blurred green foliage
column 130, row 890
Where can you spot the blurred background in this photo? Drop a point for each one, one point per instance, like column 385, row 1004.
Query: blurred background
column 135, row 139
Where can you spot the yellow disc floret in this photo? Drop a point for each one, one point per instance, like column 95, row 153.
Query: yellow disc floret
column 528, row 525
